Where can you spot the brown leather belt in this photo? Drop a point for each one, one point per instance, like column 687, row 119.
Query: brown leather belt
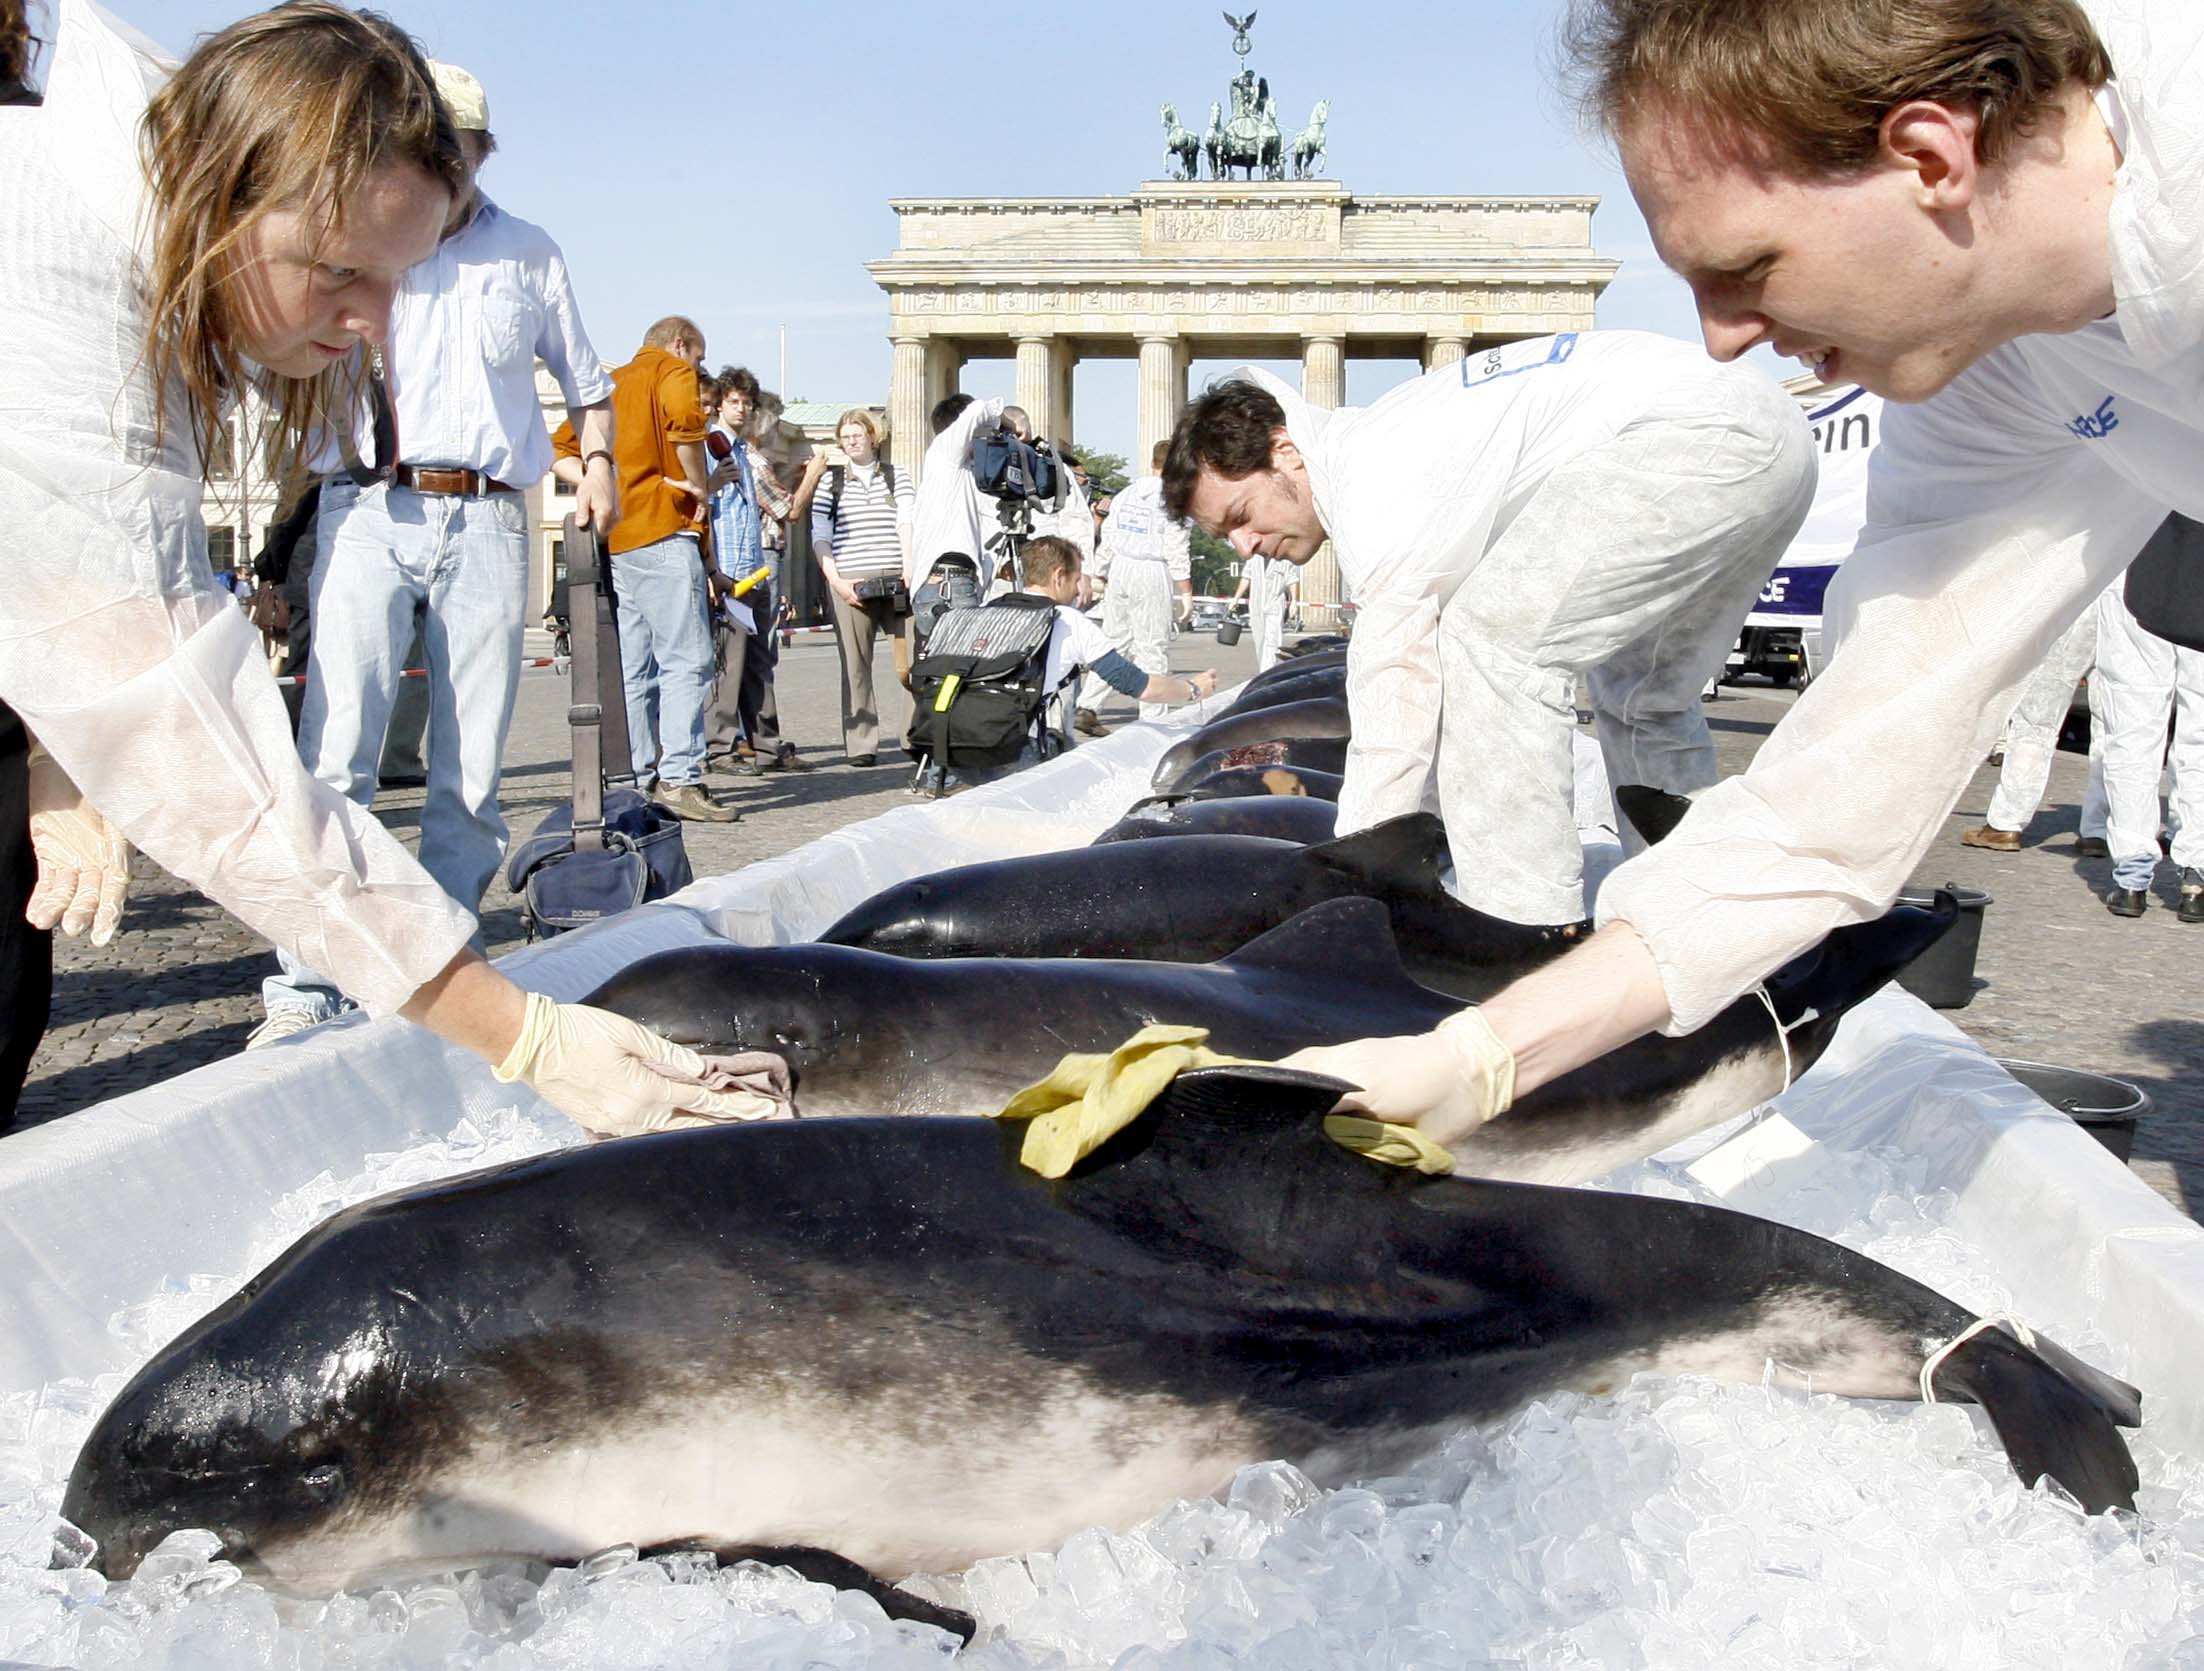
column 429, row 478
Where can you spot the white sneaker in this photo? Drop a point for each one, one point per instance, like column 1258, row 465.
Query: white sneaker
column 282, row 1022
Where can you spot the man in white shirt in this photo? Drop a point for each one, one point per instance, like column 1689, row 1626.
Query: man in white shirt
column 1996, row 214
column 1146, row 555
column 442, row 535
column 952, row 517
column 1605, row 505
column 1050, row 568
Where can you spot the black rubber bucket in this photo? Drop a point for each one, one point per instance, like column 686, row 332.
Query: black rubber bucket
column 1943, row 976
column 1229, row 633
column 2104, row 1107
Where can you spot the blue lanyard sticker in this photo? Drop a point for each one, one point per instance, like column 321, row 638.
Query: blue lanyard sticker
column 1511, row 359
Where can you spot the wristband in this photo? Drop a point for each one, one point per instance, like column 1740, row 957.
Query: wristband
column 599, row 452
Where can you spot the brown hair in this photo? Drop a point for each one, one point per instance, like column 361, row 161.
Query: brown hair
column 18, row 46
column 1814, row 78
column 1228, row 430
column 1047, row 556
column 289, row 109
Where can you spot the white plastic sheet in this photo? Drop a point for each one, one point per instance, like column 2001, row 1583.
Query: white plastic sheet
column 96, row 1210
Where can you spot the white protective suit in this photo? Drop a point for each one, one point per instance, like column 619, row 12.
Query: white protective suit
column 144, row 678
column 1605, row 503
column 1268, row 581
column 2141, row 682
column 2032, row 734
column 1147, row 551
column 1996, row 512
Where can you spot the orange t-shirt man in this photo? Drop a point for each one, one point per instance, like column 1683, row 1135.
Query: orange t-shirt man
column 655, row 411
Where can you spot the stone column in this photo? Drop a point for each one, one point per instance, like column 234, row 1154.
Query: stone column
column 1444, row 351
column 1034, row 365
column 1061, row 361
column 908, row 406
column 1323, row 383
column 1162, row 392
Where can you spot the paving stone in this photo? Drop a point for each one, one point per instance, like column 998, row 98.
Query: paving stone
column 2059, row 979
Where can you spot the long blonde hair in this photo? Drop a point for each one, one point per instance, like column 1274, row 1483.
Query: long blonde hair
column 288, row 109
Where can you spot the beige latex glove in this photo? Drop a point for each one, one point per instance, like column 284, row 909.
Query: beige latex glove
column 1446, row 1083
column 617, row 1078
column 83, row 862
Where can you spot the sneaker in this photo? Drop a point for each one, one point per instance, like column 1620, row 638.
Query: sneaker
column 1995, row 839
column 282, row 1022
column 786, row 759
column 2126, row 902
column 2192, row 894
column 688, row 801
column 1088, row 723
column 2093, row 847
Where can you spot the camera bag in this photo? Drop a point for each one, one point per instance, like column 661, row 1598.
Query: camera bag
column 979, row 686
column 610, row 849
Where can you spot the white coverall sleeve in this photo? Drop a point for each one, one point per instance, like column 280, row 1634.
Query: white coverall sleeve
column 1393, row 689
column 1988, row 531
column 1178, row 549
column 144, row 680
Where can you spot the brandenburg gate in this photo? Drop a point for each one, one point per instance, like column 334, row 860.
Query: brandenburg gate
column 1219, row 269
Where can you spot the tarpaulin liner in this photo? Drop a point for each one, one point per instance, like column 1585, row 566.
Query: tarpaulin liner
column 97, row 1209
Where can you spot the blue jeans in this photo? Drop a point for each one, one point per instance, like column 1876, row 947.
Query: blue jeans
column 665, row 657
column 389, row 555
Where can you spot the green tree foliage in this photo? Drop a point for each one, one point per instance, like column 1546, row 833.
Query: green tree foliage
column 1106, row 472
column 1216, row 566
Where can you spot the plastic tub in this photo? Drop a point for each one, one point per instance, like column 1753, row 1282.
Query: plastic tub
column 2104, row 1107
column 1943, row 976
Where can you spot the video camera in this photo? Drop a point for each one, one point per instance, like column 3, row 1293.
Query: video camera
column 1016, row 471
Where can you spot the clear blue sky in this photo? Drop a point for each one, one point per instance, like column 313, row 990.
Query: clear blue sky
column 734, row 161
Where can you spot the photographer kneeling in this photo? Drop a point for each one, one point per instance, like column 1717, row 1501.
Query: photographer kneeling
column 1050, row 567
column 861, row 529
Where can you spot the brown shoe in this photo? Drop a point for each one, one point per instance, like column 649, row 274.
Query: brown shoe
column 1088, row 723
column 1995, row 839
column 2093, row 847
column 786, row 759
column 688, row 801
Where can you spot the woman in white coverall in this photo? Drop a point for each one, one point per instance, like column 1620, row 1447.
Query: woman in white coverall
column 141, row 679
column 1606, row 504
column 2012, row 237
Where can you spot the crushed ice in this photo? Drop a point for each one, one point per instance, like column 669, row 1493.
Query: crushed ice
column 1680, row 1523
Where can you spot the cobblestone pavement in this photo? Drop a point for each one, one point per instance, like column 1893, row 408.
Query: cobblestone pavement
column 2059, row 979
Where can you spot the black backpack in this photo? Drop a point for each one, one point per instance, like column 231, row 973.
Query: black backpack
column 979, row 686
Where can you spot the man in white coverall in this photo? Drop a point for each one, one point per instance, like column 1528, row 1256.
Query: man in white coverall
column 1147, row 559
column 1606, row 504
column 2141, row 682
column 2031, row 737
column 1997, row 213
column 1266, row 582
column 142, row 678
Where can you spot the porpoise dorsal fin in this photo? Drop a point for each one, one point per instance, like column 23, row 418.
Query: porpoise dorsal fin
column 1408, row 851
column 1349, row 939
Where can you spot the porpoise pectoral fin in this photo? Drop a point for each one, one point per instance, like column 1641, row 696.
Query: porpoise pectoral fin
column 823, row 1566
column 1406, row 851
column 1652, row 812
